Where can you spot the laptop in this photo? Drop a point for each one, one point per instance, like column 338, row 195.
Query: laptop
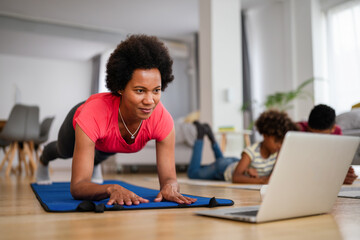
column 356, row 159
column 306, row 179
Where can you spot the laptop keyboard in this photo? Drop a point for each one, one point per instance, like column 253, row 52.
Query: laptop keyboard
column 247, row 213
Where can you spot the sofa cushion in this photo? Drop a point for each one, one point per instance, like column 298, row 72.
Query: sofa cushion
column 351, row 132
column 349, row 120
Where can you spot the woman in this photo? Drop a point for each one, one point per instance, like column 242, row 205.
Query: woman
column 121, row 121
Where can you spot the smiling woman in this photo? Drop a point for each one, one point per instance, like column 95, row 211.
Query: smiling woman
column 122, row 121
column 140, row 97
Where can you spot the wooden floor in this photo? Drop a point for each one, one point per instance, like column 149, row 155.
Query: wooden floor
column 22, row 217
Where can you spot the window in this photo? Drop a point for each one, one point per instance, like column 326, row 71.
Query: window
column 343, row 34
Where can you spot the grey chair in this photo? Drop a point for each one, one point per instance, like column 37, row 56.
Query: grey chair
column 3, row 144
column 44, row 135
column 21, row 129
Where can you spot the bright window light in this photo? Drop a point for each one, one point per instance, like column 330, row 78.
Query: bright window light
column 344, row 56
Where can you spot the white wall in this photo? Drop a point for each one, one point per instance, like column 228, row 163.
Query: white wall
column 54, row 85
column 269, row 52
column 281, row 51
column 220, row 68
column 220, row 63
column 303, row 49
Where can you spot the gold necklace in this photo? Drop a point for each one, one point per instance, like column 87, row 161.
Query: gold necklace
column 132, row 134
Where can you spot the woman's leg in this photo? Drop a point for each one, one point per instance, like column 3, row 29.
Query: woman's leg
column 97, row 173
column 64, row 146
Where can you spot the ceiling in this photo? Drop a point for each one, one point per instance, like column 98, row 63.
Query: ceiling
column 79, row 29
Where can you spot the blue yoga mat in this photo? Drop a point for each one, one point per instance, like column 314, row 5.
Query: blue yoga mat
column 57, row 198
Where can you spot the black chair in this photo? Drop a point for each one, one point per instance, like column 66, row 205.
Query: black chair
column 44, row 135
column 21, row 128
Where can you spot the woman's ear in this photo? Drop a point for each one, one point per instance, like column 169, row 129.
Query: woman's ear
column 119, row 92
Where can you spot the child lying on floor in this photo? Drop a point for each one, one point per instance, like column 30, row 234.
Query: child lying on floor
column 257, row 161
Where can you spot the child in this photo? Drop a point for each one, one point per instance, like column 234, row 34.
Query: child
column 322, row 120
column 257, row 161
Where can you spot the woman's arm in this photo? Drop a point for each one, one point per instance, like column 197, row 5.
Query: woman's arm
column 81, row 186
column 240, row 170
column 165, row 158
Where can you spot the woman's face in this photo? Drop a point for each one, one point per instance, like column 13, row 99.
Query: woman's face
column 141, row 94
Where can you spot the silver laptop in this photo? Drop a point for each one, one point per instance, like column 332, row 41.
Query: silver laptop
column 306, row 179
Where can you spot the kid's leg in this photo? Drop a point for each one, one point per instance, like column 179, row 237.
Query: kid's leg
column 217, row 151
column 195, row 161
column 214, row 144
column 195, row 170
column 221, row 164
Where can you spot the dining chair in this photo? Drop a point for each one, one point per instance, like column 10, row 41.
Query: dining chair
column 21, row 128
column 3, row 144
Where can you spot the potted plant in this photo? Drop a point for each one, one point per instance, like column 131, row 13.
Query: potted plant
column 283, row 100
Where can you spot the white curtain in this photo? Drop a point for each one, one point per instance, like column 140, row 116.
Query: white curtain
column 344, row 56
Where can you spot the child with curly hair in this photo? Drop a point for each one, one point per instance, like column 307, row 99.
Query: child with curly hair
column 257, row 161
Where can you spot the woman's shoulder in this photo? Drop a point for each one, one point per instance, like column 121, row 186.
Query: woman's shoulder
column 100, row 100
column 97, row 114
column 102, row 97
column 99, row 105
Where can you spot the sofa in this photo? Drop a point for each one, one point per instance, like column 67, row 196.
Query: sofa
column 350, row 125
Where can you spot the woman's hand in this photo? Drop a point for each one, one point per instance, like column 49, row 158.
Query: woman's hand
column 120, row 195
column 165, row 158
column 170, row 192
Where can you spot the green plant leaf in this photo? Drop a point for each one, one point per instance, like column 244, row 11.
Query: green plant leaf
column 282, row 100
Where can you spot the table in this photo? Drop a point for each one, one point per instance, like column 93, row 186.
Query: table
column 224, row 137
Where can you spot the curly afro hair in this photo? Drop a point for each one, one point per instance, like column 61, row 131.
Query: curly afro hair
column 275, row 123
column 322, row 117
column 138, row 52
